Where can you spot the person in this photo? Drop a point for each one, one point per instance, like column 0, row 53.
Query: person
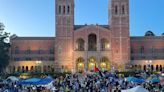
column 54, row 89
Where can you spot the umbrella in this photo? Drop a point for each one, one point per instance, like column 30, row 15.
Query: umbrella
column 136, row 89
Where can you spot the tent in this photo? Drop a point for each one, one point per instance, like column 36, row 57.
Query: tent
column 29, row 81
column 154, row 80
column 136, row 89
column 44, row 81
column 135, row 80
column 36, row 81
column 12, row 78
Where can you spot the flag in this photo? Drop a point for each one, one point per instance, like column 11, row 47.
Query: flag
column 96, row 69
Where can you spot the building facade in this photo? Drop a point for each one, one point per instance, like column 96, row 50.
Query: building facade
column 82, row 47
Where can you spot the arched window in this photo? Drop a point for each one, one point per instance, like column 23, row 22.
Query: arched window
column 80, row 44
column 123, row 9
column 26, row 68
column 92, row 42
column 59, row 9
column 32, row 68
column 104, row 44
column 116, row 9
column 23, row 69
column 68, row 9
column 160, row 68
column 152, row 67
column 63, row 9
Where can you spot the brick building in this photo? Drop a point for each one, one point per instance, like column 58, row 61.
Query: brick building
column 82, row 47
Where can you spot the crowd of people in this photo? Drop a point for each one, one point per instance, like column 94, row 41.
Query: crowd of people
column 95, row 82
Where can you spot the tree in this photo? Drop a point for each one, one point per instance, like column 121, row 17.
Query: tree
column 149, row 33
column 4, row 48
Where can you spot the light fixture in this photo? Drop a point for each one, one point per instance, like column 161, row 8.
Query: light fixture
column 150, row 61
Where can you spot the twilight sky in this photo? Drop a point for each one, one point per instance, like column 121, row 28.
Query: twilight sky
column 37, row 17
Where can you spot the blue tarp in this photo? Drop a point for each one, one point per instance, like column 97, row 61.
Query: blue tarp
column 136, row 80
column 36, row 81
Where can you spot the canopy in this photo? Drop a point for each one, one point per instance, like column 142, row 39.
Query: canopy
column 44, row 81
column 135, row 80
column 36, row 81
column 12, row 78
column 29, row 81
column 154, row 80
column 136, row 89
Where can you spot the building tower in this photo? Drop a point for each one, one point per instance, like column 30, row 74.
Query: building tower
column 64, row 34
column 119, row 24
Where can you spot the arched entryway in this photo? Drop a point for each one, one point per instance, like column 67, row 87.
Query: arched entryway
column 157, row 68
column 144, row 67
column 80, row 66
column 91, row 63
column 152, row 68
column 104, row 63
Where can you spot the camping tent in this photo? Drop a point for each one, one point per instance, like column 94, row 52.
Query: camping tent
column 136, row 89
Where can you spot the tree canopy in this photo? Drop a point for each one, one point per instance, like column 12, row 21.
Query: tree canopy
column 149, row 33
column 4, row 48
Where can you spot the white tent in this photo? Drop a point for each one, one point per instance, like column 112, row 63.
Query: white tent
column 13, row 78
column 136, row 89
